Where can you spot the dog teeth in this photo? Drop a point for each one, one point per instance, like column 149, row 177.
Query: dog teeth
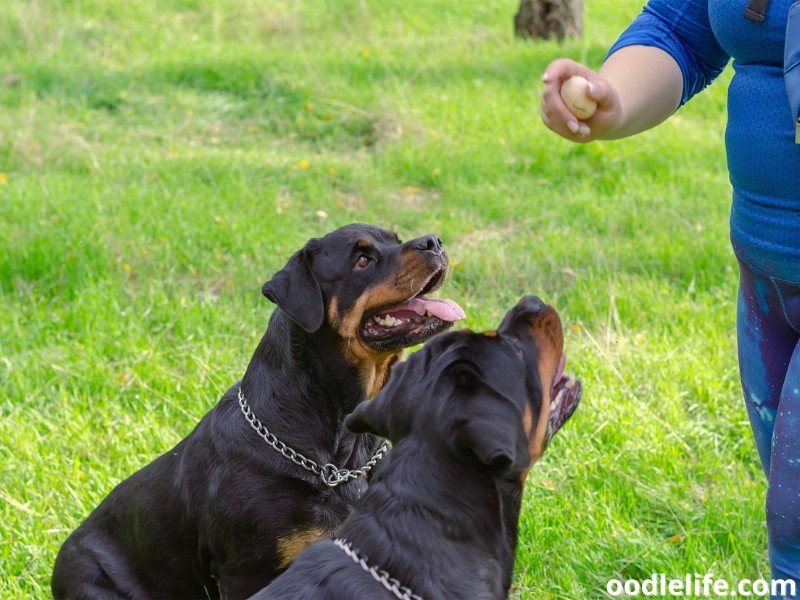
column 555, row 403
column 570, row 383
column 388, row 321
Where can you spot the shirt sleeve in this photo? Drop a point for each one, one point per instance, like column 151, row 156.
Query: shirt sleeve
column 682, row 29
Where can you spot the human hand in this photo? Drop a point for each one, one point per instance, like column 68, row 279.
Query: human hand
column 558, row 117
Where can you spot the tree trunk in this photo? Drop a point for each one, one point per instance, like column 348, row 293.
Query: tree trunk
column 547, row 18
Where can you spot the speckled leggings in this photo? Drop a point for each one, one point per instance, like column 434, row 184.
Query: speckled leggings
column 768, row 327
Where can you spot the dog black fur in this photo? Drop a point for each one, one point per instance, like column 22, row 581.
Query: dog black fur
column 222, row 513
column 467, row 415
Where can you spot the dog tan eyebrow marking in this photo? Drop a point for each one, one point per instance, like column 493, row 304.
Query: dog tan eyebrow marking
column 490, row 333
column 294, row 543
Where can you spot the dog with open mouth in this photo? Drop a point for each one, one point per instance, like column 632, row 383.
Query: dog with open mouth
column 270, row 469
column 467, row 415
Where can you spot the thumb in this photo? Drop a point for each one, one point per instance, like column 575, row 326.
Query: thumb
column 601, row 91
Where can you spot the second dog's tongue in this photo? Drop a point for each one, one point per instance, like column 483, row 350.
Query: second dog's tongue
column 445, row 309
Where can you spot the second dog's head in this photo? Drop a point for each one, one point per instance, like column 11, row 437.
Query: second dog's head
column 493, row 399
column 368, row 288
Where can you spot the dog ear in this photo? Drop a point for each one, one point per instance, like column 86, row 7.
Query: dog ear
column 296, row 292
column 491, row 429
column 369, row 417
column 385, row 415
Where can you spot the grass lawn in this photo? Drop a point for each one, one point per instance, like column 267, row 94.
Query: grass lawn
column 160, row 160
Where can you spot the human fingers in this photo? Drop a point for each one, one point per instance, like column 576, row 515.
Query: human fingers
column 555, row 113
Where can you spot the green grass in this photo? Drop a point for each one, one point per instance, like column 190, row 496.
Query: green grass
column 159, row 160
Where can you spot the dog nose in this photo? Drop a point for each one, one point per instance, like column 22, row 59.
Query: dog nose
column 533, row 304
column 429, row 243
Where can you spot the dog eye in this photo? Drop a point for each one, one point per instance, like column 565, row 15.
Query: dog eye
column 362, row 261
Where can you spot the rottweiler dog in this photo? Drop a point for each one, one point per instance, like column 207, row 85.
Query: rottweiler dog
column 467, row 415
column 270, row 468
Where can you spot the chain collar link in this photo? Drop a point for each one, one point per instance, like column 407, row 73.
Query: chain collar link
column 330, row 474
column 381, row 576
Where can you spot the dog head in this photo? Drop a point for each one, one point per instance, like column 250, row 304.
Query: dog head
column 369, row 288
column 496, row 397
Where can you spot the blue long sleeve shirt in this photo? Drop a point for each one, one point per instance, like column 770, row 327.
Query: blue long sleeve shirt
column 763, row 159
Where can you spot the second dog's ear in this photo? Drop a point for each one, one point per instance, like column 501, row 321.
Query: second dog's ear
column 386, row 415
column 296, row 292
column 368, row 417
column 492, row 430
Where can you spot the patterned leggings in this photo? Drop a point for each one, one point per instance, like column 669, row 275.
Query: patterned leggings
column 768, row 328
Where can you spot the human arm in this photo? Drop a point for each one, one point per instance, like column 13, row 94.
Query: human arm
column 637, row 88
column 668, row 54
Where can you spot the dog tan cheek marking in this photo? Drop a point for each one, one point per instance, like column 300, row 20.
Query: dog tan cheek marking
column 294, row 543
column 547, row 325
column 527, row 424
column 366, row 359
column 538, row 440
column 384, row 294
column 527, row 420
column 349, row 327
column 372, row 372
column 379, row 376
column 350, row 321
column 415, row 272
column 333, row 313
column 412, row 276
column 374, row 366
column 548, row 336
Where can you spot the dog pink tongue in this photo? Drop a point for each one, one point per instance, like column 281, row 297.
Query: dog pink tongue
column 445, row 310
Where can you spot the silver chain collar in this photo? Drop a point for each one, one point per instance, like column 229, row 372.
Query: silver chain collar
column 330, row 474
column 381, row 576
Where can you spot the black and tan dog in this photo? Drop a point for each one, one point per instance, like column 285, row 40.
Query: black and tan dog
column 468, row 415
column 227, row 509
